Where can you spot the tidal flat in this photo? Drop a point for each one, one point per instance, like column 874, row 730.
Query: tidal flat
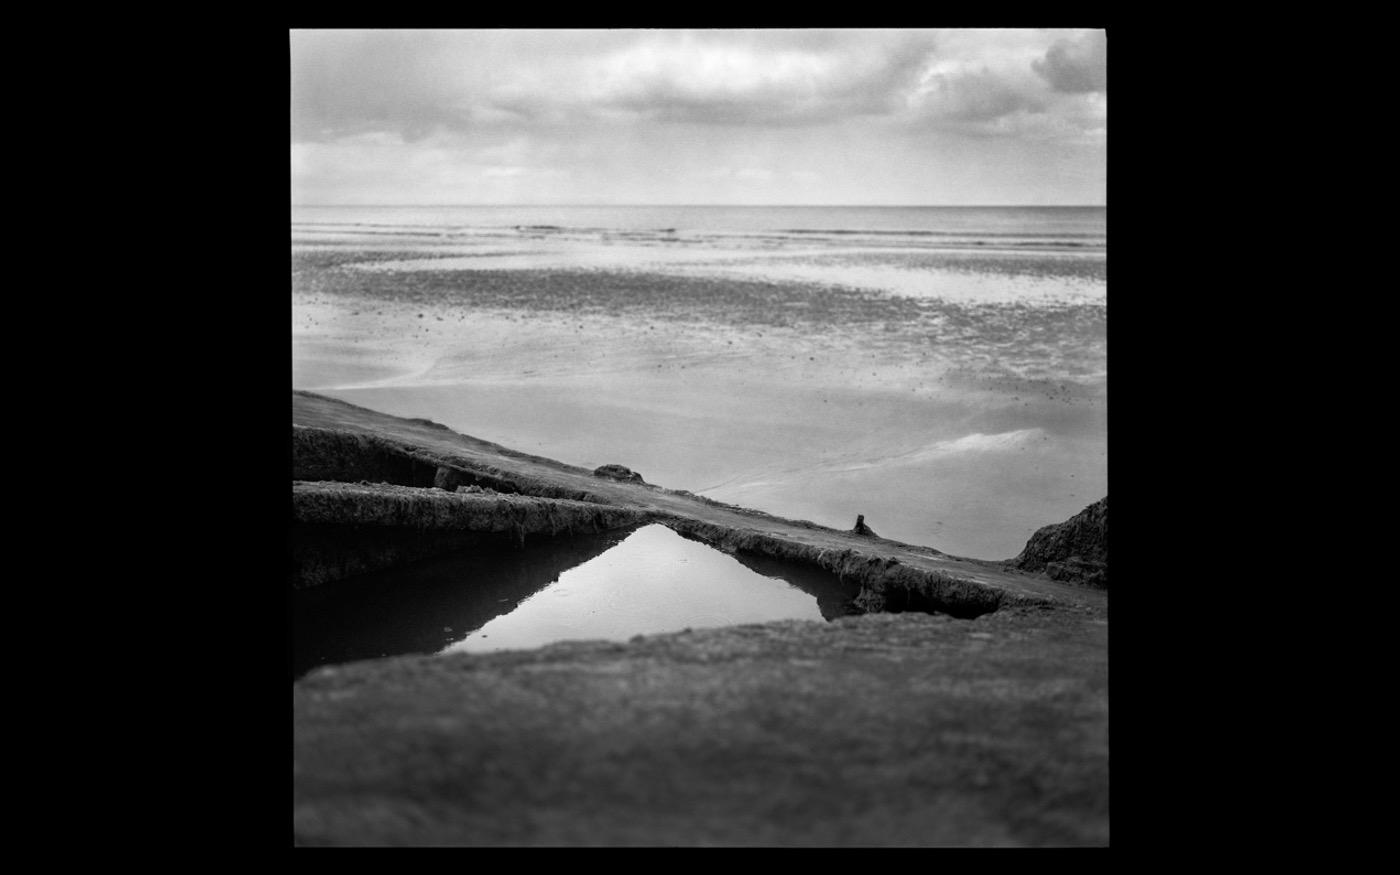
column 955, row 397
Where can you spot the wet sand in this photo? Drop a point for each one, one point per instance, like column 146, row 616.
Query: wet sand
column 956, row 400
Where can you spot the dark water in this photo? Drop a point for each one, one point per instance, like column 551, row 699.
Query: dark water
column 609, row 586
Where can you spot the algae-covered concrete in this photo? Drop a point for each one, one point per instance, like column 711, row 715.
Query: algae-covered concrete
column 875, row 730
column 344, row 529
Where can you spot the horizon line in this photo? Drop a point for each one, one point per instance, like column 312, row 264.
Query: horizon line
column 761, row 206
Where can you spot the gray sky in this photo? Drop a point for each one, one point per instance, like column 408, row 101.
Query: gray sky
column 699, row 117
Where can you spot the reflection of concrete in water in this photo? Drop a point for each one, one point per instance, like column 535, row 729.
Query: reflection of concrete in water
column 834, row 598
column 552, row 589
column 425, row 606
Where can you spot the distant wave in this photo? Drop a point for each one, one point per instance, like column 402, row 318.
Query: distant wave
column 425, row 232
column 362, row 225
column 944, row 238
column 410, row 229
column 873, row 232
column 925, row 233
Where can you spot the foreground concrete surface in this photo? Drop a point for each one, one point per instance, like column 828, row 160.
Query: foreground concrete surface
column 876, row 730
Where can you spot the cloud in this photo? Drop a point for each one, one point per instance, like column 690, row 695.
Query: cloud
column 417, row 83
column 422, row 84
column 694, row 116
column 1076, row 66
column 346, row 83
column 782, row 78
column 977, row 97
column 972, row 91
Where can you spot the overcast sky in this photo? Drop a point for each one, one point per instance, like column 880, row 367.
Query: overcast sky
column 699, row 117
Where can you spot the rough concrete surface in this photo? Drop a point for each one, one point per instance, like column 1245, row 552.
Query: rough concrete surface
column 876, row 730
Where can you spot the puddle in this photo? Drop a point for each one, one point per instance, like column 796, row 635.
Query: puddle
column 610, row 586
column 654, row 581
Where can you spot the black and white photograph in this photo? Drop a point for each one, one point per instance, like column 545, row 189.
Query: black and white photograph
column 700, row 437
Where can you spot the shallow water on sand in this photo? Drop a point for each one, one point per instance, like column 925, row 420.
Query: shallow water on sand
column 956, row 398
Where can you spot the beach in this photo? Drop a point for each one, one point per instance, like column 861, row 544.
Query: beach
column 700, row 438
column 950, row 385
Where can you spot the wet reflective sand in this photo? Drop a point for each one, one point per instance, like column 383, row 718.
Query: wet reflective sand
column 956, row 398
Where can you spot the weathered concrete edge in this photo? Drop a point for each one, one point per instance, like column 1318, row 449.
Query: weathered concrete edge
column 886, row 583
column 499, row 449
column 345, row 455
column 389, row 505
column 344, row 530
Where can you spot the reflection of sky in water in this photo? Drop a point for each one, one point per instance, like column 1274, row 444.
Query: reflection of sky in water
column 654, row 581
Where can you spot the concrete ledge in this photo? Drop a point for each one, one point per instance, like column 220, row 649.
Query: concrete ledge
column 877, row 730
column 886, row 583
column 407, row 507
column 341, row 530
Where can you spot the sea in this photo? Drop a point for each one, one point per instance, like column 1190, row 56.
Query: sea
column 1024, row 228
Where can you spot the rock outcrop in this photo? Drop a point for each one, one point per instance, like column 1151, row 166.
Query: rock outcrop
column 618, row 472
column 1074, row 551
